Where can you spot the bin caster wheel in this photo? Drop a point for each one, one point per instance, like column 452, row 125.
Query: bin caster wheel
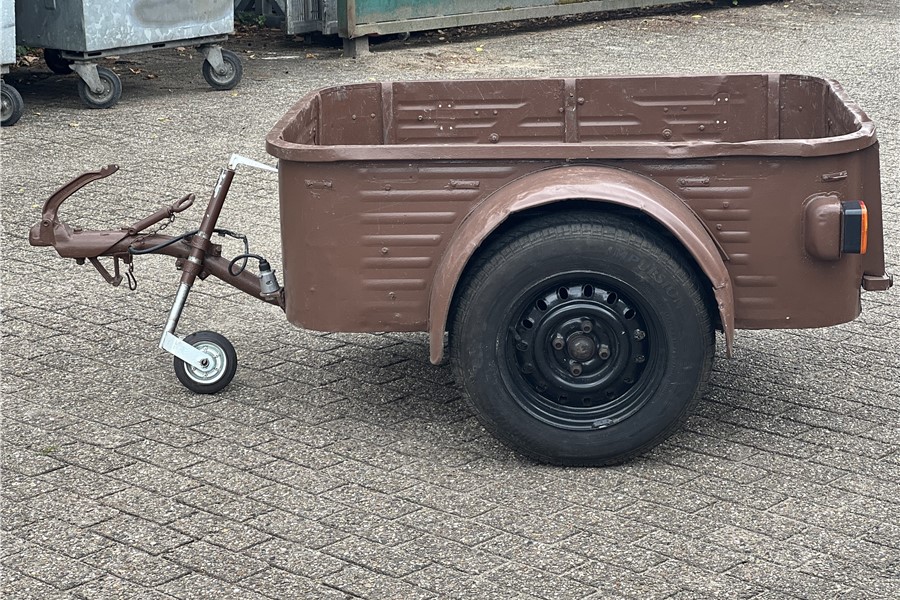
column 230, row 74
column 108, row 96
column 12, row 104
column 56, row 63
column 221, row 367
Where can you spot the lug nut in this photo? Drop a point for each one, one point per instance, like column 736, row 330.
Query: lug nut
column 639, row 334
column 522, row 345
column 586, row 326
column 640, row 358
column 604, row 351
column 575, row 368
column 559, row 342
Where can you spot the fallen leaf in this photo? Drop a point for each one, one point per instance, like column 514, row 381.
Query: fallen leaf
column 73, row 124
column 150, row 76
column 135, row 71
column 479, row 49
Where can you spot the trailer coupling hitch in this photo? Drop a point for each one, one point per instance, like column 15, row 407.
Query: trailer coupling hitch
column 193, row 250
column 75, row 242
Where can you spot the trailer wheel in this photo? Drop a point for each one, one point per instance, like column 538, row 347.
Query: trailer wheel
column 56, row 63
column 11, row 104
column 230, row 75
column 581, row 339
column 112, row 90
column 220, row 370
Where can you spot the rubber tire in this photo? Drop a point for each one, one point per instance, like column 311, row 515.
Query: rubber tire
column 112, row 92
column 225, row 350
column 230, row 80
column 56, row 63
column 591, row 242
column 12, row 103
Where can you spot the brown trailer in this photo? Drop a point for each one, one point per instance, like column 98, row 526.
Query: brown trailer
column 579, row 239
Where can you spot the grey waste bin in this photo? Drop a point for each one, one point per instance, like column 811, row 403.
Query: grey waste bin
column 75, row 33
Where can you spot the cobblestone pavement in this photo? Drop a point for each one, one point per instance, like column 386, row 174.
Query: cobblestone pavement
column 346, row 465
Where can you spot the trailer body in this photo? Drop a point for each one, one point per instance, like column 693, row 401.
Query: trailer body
column 379, row 181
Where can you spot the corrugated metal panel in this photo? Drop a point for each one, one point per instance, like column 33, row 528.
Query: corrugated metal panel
column 364, row 17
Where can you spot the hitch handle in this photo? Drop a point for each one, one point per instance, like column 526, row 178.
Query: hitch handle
column 51, row 206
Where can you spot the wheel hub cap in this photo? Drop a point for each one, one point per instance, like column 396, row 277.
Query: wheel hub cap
column 581, row 347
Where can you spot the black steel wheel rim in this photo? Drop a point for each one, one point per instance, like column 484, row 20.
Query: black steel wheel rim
column 581, row 351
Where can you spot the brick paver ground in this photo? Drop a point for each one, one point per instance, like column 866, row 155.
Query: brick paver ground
column 341, row 465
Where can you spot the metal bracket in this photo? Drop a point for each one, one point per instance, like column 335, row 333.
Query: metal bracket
column 213, row 54
column 173, row 344
column 113, row 280
column 88, row 72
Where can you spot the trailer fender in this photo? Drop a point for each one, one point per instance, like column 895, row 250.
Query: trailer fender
column 600, row 184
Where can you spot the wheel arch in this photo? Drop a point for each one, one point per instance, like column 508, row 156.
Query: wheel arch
column 595, row 186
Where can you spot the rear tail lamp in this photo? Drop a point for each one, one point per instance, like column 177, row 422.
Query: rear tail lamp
column 854, row 227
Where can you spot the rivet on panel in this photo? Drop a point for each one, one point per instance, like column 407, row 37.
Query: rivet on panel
column 666, row 109
column 725, row 205
column 719, row 226
column 581, row 101
column 387, row 187
column 477, row 112
column 702, row 128
column 420, row 117
column 372, row 115
column 494, row 138
column 384, row 250
column 353, row 117
column 495, row 112
column 667, row 133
